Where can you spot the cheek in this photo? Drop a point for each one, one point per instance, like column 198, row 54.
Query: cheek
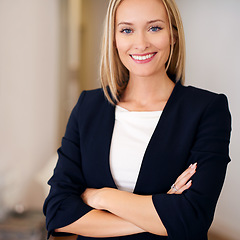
column 162, row 43
column 122, row 50
column 122, row 44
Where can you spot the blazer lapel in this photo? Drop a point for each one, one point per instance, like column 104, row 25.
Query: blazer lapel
column 108, row 125
column 155, row 164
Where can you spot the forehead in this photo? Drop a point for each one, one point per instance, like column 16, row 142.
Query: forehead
column 141, row 10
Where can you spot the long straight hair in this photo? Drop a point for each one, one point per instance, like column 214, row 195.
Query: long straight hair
column 114, row 75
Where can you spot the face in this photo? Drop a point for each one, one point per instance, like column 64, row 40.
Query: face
column 142, row 36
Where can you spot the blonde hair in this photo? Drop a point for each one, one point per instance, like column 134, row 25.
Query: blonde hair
column 114, row 75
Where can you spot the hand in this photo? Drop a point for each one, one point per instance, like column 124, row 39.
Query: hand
column 92, row 197
column 182, row 183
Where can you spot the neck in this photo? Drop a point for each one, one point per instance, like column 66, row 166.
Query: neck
column 147, row 92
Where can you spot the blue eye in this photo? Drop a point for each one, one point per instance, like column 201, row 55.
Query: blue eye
column 155, row 29
column 126, row 30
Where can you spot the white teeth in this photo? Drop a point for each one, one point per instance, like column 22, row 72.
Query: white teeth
column 142, row 58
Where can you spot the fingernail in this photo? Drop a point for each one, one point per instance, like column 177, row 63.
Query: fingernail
column 189, row 182
column 190, row 165
column 194, row 165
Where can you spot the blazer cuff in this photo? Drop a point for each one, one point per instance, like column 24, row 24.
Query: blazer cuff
column 71, row 209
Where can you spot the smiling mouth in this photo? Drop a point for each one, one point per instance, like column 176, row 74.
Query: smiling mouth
column 143, row 57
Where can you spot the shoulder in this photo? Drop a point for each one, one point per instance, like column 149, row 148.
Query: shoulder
column 92, row 104
column 197, row 97
column 94, row 95
column 91, row 99
column 192, row 104
column 192, row 92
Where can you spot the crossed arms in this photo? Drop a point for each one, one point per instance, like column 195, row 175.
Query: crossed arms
column 119, row 213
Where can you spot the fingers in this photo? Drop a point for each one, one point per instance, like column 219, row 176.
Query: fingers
column 182, row 183
column 191, row 167
column 92, row 197
column 185, row 187
column 88, row 194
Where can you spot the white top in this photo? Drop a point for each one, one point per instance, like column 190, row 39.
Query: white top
column 131, row 135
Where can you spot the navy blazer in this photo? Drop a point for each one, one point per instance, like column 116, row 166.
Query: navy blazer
column 195, row 126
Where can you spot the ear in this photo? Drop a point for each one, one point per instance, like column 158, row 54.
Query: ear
column 175, row 36
column 174, row 41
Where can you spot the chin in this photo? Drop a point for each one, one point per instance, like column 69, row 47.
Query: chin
column 145, row 73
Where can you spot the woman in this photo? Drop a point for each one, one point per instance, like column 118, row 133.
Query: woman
column 118, row 161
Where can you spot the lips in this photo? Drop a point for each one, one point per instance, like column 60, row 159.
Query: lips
column 143, row 58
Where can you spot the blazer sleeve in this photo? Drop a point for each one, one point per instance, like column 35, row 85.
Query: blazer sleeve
column 188, row 216
column 64, row 205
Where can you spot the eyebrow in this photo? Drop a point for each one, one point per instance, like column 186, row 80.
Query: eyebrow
column 149, row 22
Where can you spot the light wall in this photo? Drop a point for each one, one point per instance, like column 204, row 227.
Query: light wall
column 212, row 38
column 29, row 66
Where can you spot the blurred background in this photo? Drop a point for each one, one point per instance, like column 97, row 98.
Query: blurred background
column 49, row 53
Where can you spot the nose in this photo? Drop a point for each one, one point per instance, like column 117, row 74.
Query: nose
column 141, row 41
